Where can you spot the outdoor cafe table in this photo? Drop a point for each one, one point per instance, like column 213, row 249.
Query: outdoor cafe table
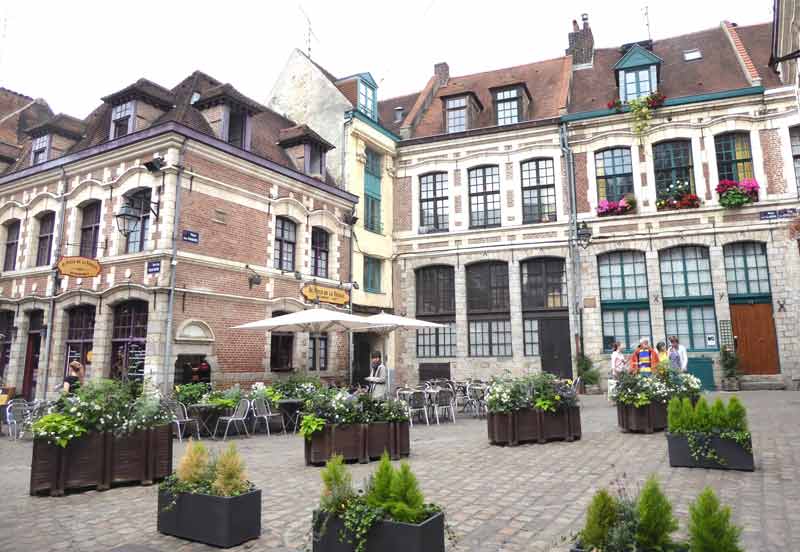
column 203, row 413
column 290, row 408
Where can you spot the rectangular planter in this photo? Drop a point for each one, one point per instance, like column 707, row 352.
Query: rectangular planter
column 734, row 456
column 216, row 520
column 401, row 440
column 384, row 536
column 643, row 419
column 528, row 426
column 82, row 463
column 45, row 468
column 564, row 425
column 159, row 452
column 379, row 437
column 534, row 426
column 126, row 457
column 501, row 428
column 349, row 440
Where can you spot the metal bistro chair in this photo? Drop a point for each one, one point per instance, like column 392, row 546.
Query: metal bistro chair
column 262, row 411
column 417, row 401
column 476, row 399
column 239, row 415
column 17, row 418
column 444, row 401
column 181, row 419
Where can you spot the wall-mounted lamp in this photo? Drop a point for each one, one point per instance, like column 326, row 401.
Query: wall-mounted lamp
column 131, row 213
column 584, row 235
column 253, row 279
column 298, row 275
column 155, row 164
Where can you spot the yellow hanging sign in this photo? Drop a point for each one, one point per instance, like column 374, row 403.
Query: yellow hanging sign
column 325, row 294
column 78, row 267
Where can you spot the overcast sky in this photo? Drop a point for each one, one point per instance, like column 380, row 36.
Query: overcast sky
column 73, row 53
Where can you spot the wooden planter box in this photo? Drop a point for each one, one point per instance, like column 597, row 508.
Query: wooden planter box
column 533, row 426
column 733, row 455
column 384, row 536
column 349, row 440
column 216, row 520
column 126, row 458
column 401, row 440
column 379, row 439
column 643, row 419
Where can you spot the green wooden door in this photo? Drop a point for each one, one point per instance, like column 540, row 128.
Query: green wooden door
column 703, row 369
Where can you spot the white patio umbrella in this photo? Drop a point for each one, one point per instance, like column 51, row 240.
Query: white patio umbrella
column 385, row 323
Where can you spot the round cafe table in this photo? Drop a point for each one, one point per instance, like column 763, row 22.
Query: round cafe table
column 290, row 409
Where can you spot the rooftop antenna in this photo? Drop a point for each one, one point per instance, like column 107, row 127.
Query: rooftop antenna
column 309, row 32
column 646, row 12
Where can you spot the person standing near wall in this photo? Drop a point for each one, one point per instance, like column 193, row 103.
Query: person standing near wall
column 377, row 377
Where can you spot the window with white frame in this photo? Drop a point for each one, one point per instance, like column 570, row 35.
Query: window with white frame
column 39, row 149
column 507, row 106
column 366, row 99
column 121, row 120
column 638, row 83
column 456, row 114
column 623, row 298
column 433, row 203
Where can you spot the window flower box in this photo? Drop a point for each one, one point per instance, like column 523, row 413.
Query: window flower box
column 734, row 194
column 223, row 521
column 728, row 454
column 678, row 195
column 624, row 206
column 384, row 536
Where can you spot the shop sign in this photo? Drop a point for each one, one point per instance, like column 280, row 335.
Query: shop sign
column 325, row 294
column 78, row 267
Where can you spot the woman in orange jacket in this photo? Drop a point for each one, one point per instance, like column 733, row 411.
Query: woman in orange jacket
column 644, row 359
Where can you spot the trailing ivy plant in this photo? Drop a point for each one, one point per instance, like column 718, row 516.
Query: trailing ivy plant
column 701, row 422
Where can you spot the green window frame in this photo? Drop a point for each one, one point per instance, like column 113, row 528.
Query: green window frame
column 692, row 323
column 747, row 270
column 734, row 156
column 624, row 298
column 672, row 165
column 686, row 272
column 614, row 173
column 794, row 139
column 366, row 99
column 372, row 274
column 372, row 192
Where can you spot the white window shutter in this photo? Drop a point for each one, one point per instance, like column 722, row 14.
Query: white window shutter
column 622, row 86
column 653, row 79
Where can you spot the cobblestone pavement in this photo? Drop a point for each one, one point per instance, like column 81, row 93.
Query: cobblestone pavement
column 496, row 499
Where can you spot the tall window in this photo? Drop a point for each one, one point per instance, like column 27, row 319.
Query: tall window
column 672, row 162
column 237, row 123
column 12, row 244
column 746, row 269
column 318, row 352
column 436, row 302
column 372, row 274
column 637, row 83
column 129, row 341
column 484, row 197
column 538, row 191
column 689, row 296
column 44, row 246
column 433, row 201
column 6, row 331
column 488, row 310
column 281, row 351
column 80, row 335
column 372, row 192
column 794, row 135
column 90, row 229
column 319, row 252
column 39, row 149
column 734, row 157
column 614, row 171
column 456, row 114
column 507, row 106
column 140, row 201
column 544, row 290
column 623, row 298
column 121, row 120
column 285, row 239
column 366, row 99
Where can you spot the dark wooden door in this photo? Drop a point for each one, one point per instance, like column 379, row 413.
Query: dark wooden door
column 361, row 354
column 31, row 366
column 554, row 346
column 756, row 342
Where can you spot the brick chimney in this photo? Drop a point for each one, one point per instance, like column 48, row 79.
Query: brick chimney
column 581, row 42
column 442, row 72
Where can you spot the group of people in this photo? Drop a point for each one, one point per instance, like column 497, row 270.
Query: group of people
column 644, row 359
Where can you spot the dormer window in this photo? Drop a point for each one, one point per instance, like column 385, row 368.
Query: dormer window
column 637, row 83
column 507, row 106
column 637, row 72
column 39, row 149
column 366, row 99
column 237, row 123
column 398, row 114
column 316, row 159
column 121, row 120
column 456, row 109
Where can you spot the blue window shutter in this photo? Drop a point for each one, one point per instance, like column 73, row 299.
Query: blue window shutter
column 372, row 174
column 372, row 185
column 622, row 86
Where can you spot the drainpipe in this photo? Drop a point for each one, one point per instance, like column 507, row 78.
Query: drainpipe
column 347, row 123
column 574, row 251
column 173, row 265
column 59, row 241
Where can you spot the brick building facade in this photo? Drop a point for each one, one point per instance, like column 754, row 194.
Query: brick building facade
column 231, row 223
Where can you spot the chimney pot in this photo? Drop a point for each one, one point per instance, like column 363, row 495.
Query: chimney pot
column 575, row 27
column 581, row 42
column 442, row 72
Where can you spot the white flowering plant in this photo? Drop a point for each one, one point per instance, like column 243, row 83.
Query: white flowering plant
column 638, row 390
column 542, row 391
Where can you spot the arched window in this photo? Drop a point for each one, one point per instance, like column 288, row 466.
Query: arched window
column 140, row 201
column 484, row 197
column 319, row 252
column 285, row 238
column 614, row 173
column 436, row 302
column 538, row 191
column 746, row 268
column 734, row 157
column 90, row 229
column 44, row 246
column 689, row 296
column 672, row 164
column 433, row 203
column 623, row 298
column 12, row 244
column 488, row 309
column 80, row 335
column 129, row 340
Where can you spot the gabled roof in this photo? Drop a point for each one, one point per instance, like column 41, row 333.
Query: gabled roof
column 636, row 56
column 61, row 124
column 146, row 90
column 366, row 77
column 387, row 109
column 299, row 134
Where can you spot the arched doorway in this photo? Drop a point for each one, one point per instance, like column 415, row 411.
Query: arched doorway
column 32, row 352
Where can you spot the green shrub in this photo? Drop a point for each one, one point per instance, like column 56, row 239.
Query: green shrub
column 656, row 522
column 710, row 527
column 737, row 415
column 193, row 467
column 379, row 488
column 58, row 429
column 730, row 363
column 719, row 416
column 701, row 421
column 407, row 504
column 600, row 518
column 678, row 418
column 337, row 484
column 230, row 477
column 191, row 393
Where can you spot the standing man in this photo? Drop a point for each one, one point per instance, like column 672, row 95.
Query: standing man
column 678, row 359
column 377, row 377
column 644, row 359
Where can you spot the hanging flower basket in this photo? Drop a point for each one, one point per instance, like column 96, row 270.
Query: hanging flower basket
column 678, row 195
column 625, row 205
column 734, row 194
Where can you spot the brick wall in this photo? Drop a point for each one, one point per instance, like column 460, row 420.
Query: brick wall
column 773, row 160
column 402, row 204
column 581, row 182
